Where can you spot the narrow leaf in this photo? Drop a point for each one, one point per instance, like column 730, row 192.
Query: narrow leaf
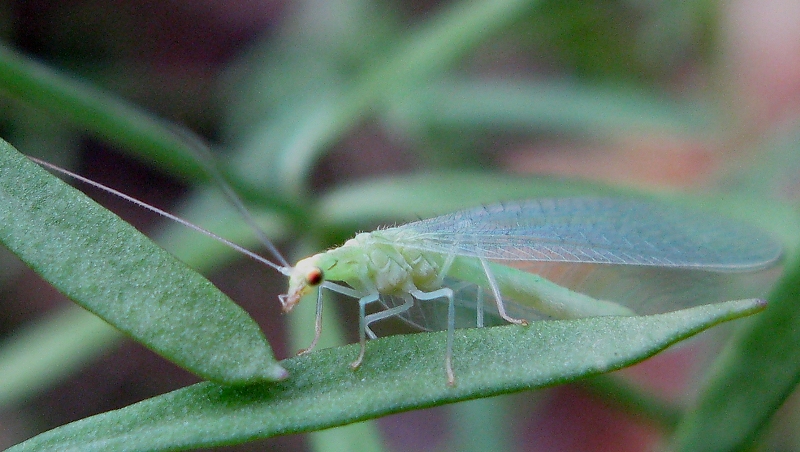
column 111, row 118
column 297, row 141
column 400, row 373
column 751, row 379
column 46, row 351
column 109, row 268
column 99, row 112
column 551, row 105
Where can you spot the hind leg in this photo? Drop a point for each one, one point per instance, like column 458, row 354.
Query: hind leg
column 501, row 308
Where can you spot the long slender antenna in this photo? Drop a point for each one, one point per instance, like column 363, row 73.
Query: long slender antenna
column 204, row 156
column 284, row 269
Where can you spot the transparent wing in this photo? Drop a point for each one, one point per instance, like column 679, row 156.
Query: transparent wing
column 592, row 230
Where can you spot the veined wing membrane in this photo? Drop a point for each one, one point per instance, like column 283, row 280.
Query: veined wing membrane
column 647, row 257
column 593, row 230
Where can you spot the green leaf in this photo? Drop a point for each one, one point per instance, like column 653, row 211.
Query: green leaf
column 109, row 268
column 534, row 105
column 399, row 373
column 111, row 118
column 297, row 140
column 99, row 112
column 47, row 350
column 751, row 378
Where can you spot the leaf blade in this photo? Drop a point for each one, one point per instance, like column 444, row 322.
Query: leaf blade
column 400, row 373
column 111, row 269
column 751, row 378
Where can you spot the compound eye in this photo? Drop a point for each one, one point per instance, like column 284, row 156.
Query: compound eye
column 314, row 276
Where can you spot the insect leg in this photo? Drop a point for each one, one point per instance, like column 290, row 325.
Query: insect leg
column 445, row 292
column 318, row 316
column 408, row 302
column 501, row 309
column 448, row 262
column 317, row 325
column 479, row 308
column 362, row 330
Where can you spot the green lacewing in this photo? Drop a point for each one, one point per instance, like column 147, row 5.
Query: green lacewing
column 489, row 252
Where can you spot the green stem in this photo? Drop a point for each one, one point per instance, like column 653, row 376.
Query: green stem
column 110, row 118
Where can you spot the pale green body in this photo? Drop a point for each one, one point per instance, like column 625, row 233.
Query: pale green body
column 369, row 262
column 374, row 263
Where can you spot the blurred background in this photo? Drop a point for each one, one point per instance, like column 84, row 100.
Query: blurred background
column 300, row 98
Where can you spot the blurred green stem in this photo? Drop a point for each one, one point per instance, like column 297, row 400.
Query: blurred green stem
column 110, row 118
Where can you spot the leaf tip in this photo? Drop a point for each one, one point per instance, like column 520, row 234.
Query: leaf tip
column 270, row 373
column 278, row 373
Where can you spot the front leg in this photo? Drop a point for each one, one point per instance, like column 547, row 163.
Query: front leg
column 362, row 325
column 445, row 292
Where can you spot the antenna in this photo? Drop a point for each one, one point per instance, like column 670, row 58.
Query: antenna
column 284, row 269
column 202, row 151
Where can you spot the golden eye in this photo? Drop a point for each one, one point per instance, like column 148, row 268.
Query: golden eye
column 314, row 276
